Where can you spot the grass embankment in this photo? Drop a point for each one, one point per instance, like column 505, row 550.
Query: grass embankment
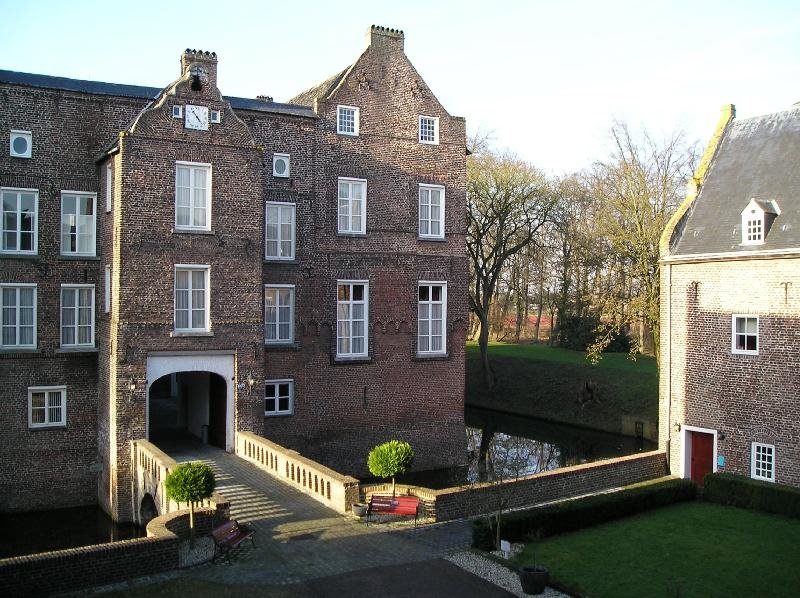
column 690, row 549
column 562, row 385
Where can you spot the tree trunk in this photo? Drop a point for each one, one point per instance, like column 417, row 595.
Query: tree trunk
column 392, row 486
column 483, row 343
column 191, row 524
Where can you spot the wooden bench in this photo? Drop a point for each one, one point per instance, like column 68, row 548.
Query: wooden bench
column 397, row 505
column 229, row 536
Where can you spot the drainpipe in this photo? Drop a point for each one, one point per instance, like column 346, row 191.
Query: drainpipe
column 669, row 368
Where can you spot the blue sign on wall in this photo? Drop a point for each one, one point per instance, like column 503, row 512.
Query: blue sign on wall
column 720, row 460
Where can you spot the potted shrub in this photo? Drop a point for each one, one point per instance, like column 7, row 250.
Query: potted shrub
column 390, row 459
column 359, row 509
column 534, row 578
column 190, row 483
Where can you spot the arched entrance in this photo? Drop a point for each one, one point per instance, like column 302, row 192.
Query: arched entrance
column 188, row 391
column 188, row 406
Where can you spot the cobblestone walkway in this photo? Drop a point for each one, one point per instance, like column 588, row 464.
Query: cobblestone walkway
column 298, row 539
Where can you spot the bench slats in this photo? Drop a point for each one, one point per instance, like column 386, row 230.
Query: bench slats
column 230, row 535
column 398, row 505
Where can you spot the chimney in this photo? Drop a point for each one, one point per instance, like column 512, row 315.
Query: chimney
column 202, row 66
column 384, row 38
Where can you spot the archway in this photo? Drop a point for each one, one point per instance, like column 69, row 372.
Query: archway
column 147, row 510
column 188, row 407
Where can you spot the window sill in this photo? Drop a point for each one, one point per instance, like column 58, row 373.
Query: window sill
column 191, row 231
column 434, row 239
column 340, row 234
column 274, row 260
column 21, row 350
column 68, row 350
column 181, row 333
column 343, row 134
column 294, row 346
column 746, row 353
column 279, row 414
column 352, row 360
column 45, row 428
column 78, row 258
column 19, row 256
column 431, row 357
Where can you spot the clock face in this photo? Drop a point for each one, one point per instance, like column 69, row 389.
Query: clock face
column 196, row 117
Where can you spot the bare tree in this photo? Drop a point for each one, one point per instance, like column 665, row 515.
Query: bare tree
column 509, row 200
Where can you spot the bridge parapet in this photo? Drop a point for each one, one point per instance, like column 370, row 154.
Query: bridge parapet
column 331, row 488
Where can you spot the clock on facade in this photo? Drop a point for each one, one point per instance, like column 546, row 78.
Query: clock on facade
column 196, row 117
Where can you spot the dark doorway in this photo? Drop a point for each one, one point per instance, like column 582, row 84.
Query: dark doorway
column 702, row 455
column 188, row 407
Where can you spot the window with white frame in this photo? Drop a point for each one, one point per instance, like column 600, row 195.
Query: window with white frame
column 754, row 230
column 18, row 316
column 109, row 186
column 78, row 223
column 352, row 307
column 192, row 283
column 19, row 210
column 192, row 196
column 279, row 397
column 47, row 406
column 431, row 211
column 280, row 224
column 352, row 206
column 279, row 313
column 107, row 290
column 347, row 120
column 762, row 462
column 745, row 335
column 429, row 129
column 77, row 315
column 432, row 318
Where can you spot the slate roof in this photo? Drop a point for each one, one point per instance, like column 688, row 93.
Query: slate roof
column 758, row 158
column 138, row 91
column 307, row 97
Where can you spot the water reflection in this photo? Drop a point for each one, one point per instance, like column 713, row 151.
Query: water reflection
column 503, row 446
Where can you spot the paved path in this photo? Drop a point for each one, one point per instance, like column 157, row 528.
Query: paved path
column 298, row 539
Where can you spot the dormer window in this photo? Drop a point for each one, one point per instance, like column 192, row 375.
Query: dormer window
column 757, row 218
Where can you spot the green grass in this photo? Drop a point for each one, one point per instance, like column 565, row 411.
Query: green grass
column 548, row 382
column 690, row 549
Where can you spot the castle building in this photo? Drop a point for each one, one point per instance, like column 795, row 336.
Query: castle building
column 730, row 307
column 176, row 260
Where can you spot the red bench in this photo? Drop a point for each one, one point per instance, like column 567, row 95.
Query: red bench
column 229, row 536
column 394, row 505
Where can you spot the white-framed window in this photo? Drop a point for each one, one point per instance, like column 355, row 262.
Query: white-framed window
column 279, row 397
column 431, row 211
column 216, row 117
column 192, row 196
column 352, row 206
column 20, row 144
column 192, row 298
column 19, row 209
column 47, row 406
column 431, row 318
column 352, row 318
column 78, row 223
column 177, row 111
column 762, row 461
column 77, row 315
column 280, row 165
column 744, row 337
column 429, row 129
column 280, row 224
column 109, row 186
column 347, row 118
column 279, row 313
column 18, row 316
column 107, row 290
column 754, row 230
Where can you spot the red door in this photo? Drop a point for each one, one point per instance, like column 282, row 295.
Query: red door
column 702, row 455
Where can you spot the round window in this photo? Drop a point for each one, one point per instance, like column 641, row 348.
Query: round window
column 20, row 145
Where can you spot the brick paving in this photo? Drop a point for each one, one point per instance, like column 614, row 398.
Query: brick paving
column 298, row 539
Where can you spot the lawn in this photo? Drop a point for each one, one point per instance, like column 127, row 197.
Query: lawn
column 690, row 549
column 551, row 383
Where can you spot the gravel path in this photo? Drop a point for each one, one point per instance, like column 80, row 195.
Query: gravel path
column 495, row 573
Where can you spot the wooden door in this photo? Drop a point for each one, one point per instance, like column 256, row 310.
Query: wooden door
column 217, row 411
column 702, row 458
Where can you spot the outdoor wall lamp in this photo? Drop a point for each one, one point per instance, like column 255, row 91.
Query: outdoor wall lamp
column 250, row 382
column 131, row 388
column 677, row 426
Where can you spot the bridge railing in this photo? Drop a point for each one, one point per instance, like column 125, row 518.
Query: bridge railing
column 150, row 467
column 333, row 489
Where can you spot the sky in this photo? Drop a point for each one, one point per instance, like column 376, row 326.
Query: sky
column 546, row 79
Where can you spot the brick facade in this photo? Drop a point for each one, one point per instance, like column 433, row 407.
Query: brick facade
column 341, row 407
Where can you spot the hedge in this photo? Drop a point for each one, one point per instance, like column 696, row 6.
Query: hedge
column 740, row 491
column 570, row 515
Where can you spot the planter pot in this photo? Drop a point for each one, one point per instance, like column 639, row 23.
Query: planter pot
column 534, row 579
column 359, row 509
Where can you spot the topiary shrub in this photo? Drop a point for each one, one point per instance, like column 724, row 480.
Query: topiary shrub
column 190, row 483
column 570, row 515
column 743, row 492
column 390, row 459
